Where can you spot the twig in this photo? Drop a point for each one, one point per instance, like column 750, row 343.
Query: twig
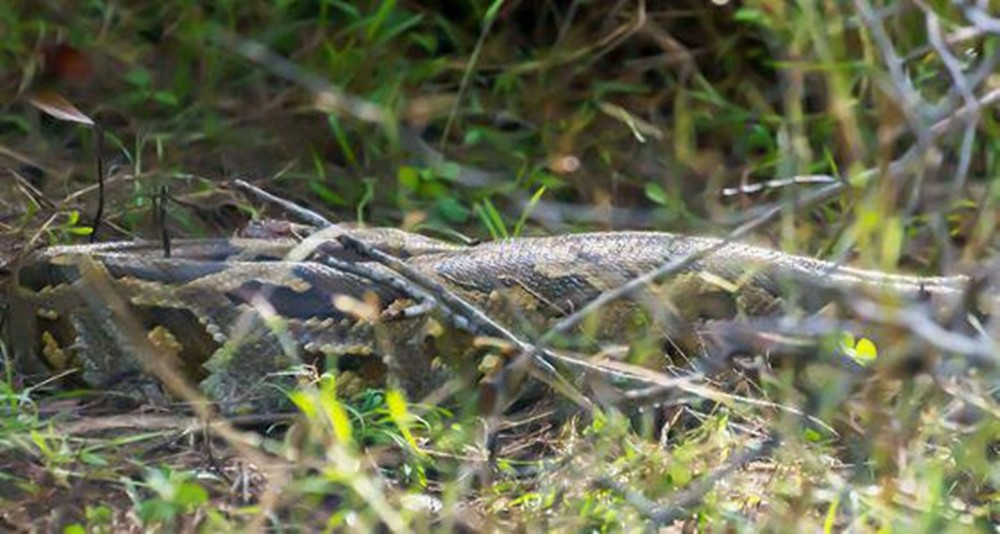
column 146, row 421
column 478, row 322
column 99, row 213
column 306, row 215
column 160, row 206
column 683, row 501
column 779, row 183
column 896, row 169
column 945, row 125
column 982, row 351
column 29, row 190
column 902, row 86
column 985, row 402
column 904, row 90
column 961, row 83
column 982, row 19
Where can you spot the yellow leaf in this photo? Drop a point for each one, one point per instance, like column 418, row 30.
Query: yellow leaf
column 866, row 349
column 335, row 410
column 401, row 416
column 863, row 350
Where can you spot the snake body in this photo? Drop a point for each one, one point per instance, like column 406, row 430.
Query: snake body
column 235, row 313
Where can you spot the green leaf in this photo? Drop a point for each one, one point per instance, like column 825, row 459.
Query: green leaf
column 347, row 8
column 429, row 43
column 452, row 210
column 379, row 18
column 139, row 77
column 328, row 195
column 41, row 443
column 494, row 8
column 156, row 510
column 750, row 15
column 166, row 98
column 366, row 197
column 847, row 340
column 473, row 136
column 80, row 230
column 680, row 474
column 448, row 170
column 760, row 137
column 399, row 28
column 90, row 458
column 190, row 495
column 535, row 198
column 343, row 140
column 657, row 194
column 492, row 219
column 408, row 177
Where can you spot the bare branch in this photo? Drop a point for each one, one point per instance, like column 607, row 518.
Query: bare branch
column 304, row 214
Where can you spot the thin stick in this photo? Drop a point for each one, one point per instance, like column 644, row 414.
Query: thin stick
column 161, row 214
column 98, row 149
column 683, row 501
column 306, row 215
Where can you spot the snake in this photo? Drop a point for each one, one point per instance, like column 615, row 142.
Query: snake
column 244, row 317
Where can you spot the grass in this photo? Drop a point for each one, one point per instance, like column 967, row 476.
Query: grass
column 488, row 119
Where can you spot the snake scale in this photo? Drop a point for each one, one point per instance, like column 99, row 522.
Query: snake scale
column 236, row 314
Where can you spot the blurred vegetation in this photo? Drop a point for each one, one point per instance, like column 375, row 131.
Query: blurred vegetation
column 491, row 118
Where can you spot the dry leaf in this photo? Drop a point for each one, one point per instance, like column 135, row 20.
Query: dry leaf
column 54, row 104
